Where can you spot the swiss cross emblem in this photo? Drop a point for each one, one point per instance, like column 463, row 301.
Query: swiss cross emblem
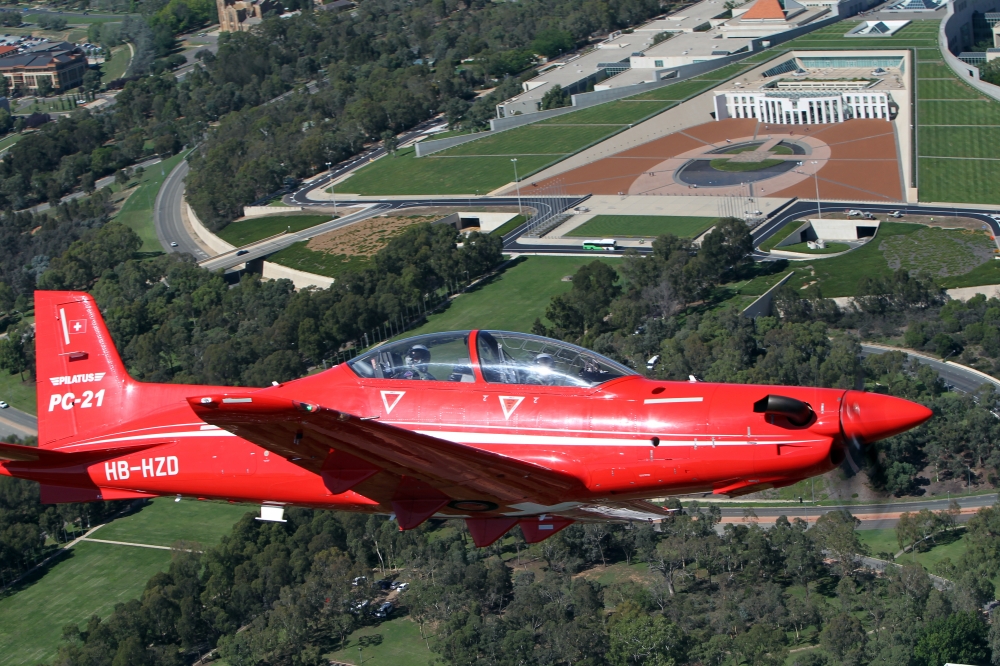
column 78, row 326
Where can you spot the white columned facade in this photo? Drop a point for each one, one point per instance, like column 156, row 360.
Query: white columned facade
column 806, row 108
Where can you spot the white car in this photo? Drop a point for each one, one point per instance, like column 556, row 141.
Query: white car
column 3, row 405
column 854, row 213
column 173, row 244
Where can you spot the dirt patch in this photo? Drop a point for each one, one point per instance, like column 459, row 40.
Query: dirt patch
column 365, row 238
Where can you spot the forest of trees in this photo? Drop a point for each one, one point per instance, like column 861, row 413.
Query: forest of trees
column 280, row 594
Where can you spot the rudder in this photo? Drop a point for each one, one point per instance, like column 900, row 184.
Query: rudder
column 81, row 381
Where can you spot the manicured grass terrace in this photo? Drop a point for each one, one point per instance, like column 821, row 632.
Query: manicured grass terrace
column 249, row 231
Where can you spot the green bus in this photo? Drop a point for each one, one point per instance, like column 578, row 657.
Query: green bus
column 604, row 245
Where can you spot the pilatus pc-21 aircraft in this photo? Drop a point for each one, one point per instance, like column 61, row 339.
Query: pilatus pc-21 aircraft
column 493, row 427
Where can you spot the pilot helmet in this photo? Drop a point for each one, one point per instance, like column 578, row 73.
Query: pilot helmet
column 544, row 362
column 418, row 357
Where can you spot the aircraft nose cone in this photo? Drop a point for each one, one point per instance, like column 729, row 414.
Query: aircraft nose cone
column 872, row 416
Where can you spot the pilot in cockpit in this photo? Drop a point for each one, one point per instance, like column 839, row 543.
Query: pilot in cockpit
column 543, row 371
column 416, row 364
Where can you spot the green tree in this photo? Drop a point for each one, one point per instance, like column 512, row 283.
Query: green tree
column 843, row 637
column 638, row 639
column 44, row 86
column 960, row 638
column 552, row 42
column 390, row 142
column 555, row 97
column 12, row 355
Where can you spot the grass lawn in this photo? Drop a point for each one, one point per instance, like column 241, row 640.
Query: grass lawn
column 950, row 545
column 405, row 174
column 831, row 248
column 395, row 642
column 964, row 112
column 677, row 91
column 163, row 521
column 615, row 113
column 629, row 226
column 512, row 300
column 780, row 235
column 988, row 273
column 739, row 167
column 20, row 395
column 300, row 257
column 951, row 89
column 509, row 226
column 9, row 140
column 258, row 228
column 115, row 68
column 959, row 141
column 137, row 213
column 777, row 150
column 89, row 580
column 933, row 70
column 532, row 140
column 948, row 180
column 839, row 276
column 897, row 245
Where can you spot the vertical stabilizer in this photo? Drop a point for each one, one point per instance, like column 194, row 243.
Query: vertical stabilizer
column 82, row 383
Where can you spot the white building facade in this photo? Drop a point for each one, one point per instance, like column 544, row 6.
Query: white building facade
column 802, row 107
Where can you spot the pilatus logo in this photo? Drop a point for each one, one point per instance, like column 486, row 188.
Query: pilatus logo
column 77, row 379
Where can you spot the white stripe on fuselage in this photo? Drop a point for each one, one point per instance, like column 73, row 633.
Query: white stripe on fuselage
column 661, row 401
column 466, row 437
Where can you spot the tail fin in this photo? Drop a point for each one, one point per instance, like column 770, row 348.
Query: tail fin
column 82, row 383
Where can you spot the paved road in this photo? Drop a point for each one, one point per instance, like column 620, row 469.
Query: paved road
column 374, row 207
column 873, row 516
column 801, row 208
column 100, row 183
column 15, row 422
column 956, row 377
column 167, row 215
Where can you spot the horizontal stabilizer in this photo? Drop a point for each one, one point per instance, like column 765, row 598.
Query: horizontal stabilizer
column 32, row 454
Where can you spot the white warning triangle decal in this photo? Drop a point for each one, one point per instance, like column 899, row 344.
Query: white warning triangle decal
column 509, row 403
column 395, row 396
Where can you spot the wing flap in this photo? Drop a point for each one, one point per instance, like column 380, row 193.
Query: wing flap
column 305, row 434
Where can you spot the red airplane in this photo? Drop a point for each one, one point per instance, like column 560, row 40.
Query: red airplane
column 494, row 427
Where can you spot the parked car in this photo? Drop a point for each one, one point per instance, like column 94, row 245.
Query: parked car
column 3, row 405
column 383, row 584
column 895, row 213
column 854, row 213
column 384, row 610
column 173, row 244
column 357, row 581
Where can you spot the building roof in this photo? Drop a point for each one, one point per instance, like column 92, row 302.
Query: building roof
column 43, row 56
column 767, row 10
column 7, row 50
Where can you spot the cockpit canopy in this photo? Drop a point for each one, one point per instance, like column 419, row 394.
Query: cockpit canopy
column 503, row 358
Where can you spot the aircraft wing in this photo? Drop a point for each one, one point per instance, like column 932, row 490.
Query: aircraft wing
column 626, row 510
column 346, row 450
